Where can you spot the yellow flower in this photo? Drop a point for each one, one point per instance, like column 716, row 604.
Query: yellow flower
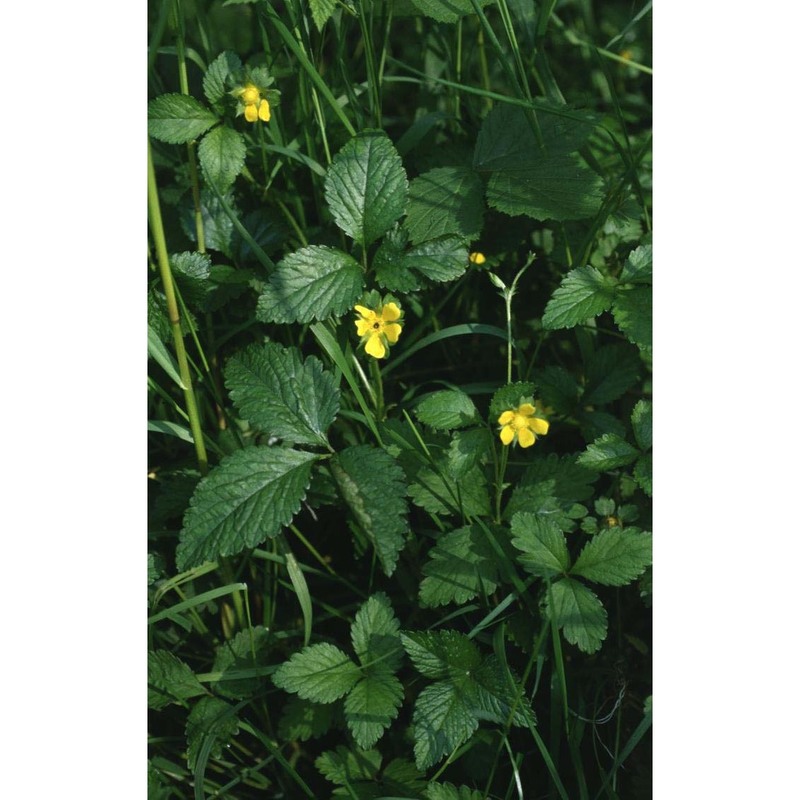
column 477, row 258
column 376, row 328
column 255, row 106
column 521, row 424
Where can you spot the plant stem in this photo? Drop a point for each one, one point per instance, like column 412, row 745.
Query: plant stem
column 378, row 384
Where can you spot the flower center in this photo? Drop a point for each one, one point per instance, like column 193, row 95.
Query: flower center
column 519, row 422
column 376, row 326
column 250, row 95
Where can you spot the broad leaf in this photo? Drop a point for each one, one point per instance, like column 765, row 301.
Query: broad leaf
column 169, row 680
column 438, row 260
column 583, row 293
column 448, row 10
column 248, row 498
column 320, row 672
column 213, row 719
column 608, row 452
column 440, row 492
column 639, row 266
column 542, row 543
column 440, row 654
column 221, row 155
column 313, row 283
column 321, row 11
column 447, row 409
column 643, row 473
column 558, row 388
column 491, row 695
column 372, row 704
column 612, row 370
column 347, row 766
column 375, row 633
column 509, row 397
column 467, row 449
column 302, row 720
column 446, row 791
column 579, row 612
column 283, row 395
column 633, row 313
column 218, row 71
column 373, row 486
column 235, row 656
column 642, row 423
column 366, row 187
column 615, row 557
column 178, row 118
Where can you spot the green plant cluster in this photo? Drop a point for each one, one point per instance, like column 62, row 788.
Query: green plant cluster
column 400, row 414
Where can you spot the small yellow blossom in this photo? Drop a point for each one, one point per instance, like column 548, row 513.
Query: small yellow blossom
column 377, row 328
column 255, row 106
column 521, row 424
column 477, row 258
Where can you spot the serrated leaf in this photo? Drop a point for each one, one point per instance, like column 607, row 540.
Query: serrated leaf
column 447, row 791
column 448, row 10
column 462, row 565
column 643, row 473
column 178, row 118
column 283, row 395
column 303, row 720
column 439, row 492
column 447, row 409
column 579, row 612
column 366, row 187
column 509, row 397
column 633, row 313
column 375, row 633
column 169, row 680
column 236, row 655
column 438, row 260
column 490, row 695
column 372, row 704
column 441, row 722
column 558, row 388
column 225, row 64
column 642, row 423
column 442, row 201
column 345, row 766
column 612, row 370
column 192, row 272
column 373, row 486
column 248, row 498
column 440, row 654
column 639, row 266
column 595, row 424
column 320, row 672
column 583, row 293
column 467, row 449
column 217, row 225
column 542, row 543
column 615, row 557
column 211, row 718
column 571, row 482
column 392, row 272
column 221, row 155
column 321, row 11
column 313, row 283
column 608, row 452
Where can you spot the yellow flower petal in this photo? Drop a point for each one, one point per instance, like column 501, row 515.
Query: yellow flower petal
column 363, row 327
column 250, row 95
column 367, row 313
column 250, row 113
column 392, row 331
column 540, row 426
column 390, row 312
column 477, row 258
column 505, row 418
column 375, row 346
column 526, row 409
column 507, row 435
column 526, row 437
column 263, row 111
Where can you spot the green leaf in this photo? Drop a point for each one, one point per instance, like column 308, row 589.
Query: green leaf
column 558, row 388
column 283, row 395
column 594, row 424
column 248, row 498
column 639, row 266
column 345, row 766
column 571, row 482
column 321, row 11
column 439, row 260
column 221, row 155
column 391, row 270
column 447, row 409
column 542, row 543
column 446, row 791
column 313, row 283
column 467, row 449
column 615, row 557
column 583, row 293
column 178, row 118
column 320, row 672
column 169, row 680
column 302, row 720
column 375, row 633
column 225, row 64
column 448, row 10
column 642, row 423
column 217, row 225
column 491, row 694
column 462, row 565
column 509, row 397
column 579, row 612
column 633, row 313
column 246, row 651
column 440, row 492
column 211, row 718
column 373, row 486
column 612, row 370
column 372, row 705
column 608, row 452
column 643, row 473
column 192, row 272
column 158, row 351
column 366, row 187
column 446, row 200
column 441, row 654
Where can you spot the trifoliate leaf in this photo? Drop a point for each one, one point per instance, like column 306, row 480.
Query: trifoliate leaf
column 571, row 482
column 211, row 718
column 439, row 260
column 313, row 283
column 447, row 200
column 639, row 266
column 439, row 492
column 448, row 10
column 467, row 449
column 366, row 187
column 643, row 473
column 283, row 395
column 608, row 452
column 236, row 656
column 584, row 292
column 321, row 11
column 447, row 409
column 612, row 370
column 360, row 775
column 303, row 720
column 446, row 791
column 169, row 680
column 543, row 546
column 579, row 612
column 248, row 498
column 221, row 155
column 320, row 672
column 440, row 654
column 642, row 423
column 178, row 118
column 347, row 766
column 462, row 565
column 372, row 705
column 373, row 486
column 491, row 695
column 375, row 633
column 225, row 64
column 391, row 270
column 633, row 313
column 615, row 557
